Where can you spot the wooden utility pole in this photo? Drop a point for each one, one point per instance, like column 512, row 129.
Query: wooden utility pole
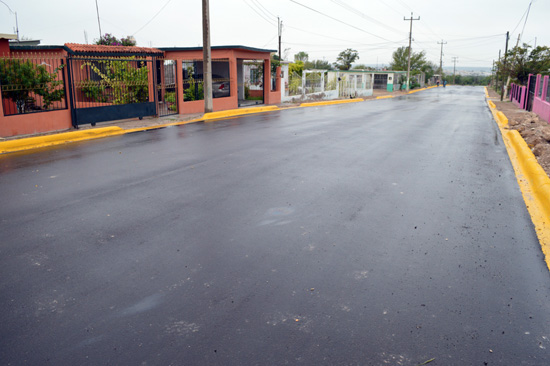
column 497, row 76
column 441, row 59
column 410, row 41
column 207, row 57
column 454, row 68
column 508, row 79
column 504, row 66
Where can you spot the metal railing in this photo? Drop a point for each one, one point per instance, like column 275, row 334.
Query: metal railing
column 32, row 83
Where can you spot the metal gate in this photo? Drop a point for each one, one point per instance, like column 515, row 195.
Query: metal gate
column 110, row 88
column 380, row 81
column 531, row 92
column 166, row 86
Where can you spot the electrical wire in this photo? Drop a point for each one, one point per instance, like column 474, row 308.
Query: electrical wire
column 260, row 14
column 364, row 16
column 259, row 4
column 340, row 21
column 154, row 16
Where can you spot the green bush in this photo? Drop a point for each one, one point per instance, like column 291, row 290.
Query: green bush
column 20, row 78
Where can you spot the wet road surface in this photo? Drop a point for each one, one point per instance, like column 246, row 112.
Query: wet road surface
column 387, row 232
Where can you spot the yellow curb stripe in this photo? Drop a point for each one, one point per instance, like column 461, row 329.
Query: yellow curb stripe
column 533, row 182
column 385, row 97
column 58, row 139
column 155, row 127
column 238, row 112
column 331, row 102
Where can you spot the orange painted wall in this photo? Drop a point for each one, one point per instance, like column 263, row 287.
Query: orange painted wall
column 31, row 123
column 231, row 102
column 40, row 122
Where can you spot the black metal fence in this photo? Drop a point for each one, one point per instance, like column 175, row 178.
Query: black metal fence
column 167, row 91
column 110, row 88
column 193, row 79
column 32, row 83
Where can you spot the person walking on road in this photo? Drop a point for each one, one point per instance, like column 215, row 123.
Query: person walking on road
column 444, row 83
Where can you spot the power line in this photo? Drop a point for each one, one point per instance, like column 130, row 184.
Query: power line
column 260, row 4
column 364, row 16
column 260, row 14
column 261, row 8
column 526, row 17
column 340, row 21
column 154, row 16
column 525, row 12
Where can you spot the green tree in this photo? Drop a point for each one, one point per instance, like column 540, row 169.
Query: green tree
column 363, row 67
column 296, row 67
column 346, row 58
column 522, row 61
column 301, row 56
column 127, row 81
column 21, row 80
column 317, row 65
column 109, row 40
column 400, row 59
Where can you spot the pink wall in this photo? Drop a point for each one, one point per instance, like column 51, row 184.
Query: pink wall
column 540, row 106
column 517, row 95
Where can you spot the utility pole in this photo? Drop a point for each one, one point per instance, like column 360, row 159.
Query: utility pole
column 280, row 35
column 507, row 85
column 504, row 66
column 17, row 28
column 441, row 59
column 98, row 22
column 410, row 41
column 207, row 57
column 497, row 76
column 454, row 69
column 16, row 23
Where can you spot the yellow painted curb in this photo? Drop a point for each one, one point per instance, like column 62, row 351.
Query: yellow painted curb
column 238, row 112
column 532, row 180
column 385, row 97
column 502, row 120
column 416, row 91
column 486, row 92
column 491, row 104
column 57, row 139
column 331, row 102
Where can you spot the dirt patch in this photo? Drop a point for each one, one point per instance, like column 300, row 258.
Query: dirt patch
column 534, row 130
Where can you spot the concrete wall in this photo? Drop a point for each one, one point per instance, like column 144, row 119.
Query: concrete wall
column 540, row 104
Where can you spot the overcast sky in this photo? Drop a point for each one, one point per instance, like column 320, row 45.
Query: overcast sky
column 473, row 29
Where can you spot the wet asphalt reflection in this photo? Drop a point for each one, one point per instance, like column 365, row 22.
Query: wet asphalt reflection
column 386, row 232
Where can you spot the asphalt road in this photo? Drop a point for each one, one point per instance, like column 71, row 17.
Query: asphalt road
column 386, row 232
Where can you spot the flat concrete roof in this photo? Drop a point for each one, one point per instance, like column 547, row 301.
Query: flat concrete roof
column 8, row 36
